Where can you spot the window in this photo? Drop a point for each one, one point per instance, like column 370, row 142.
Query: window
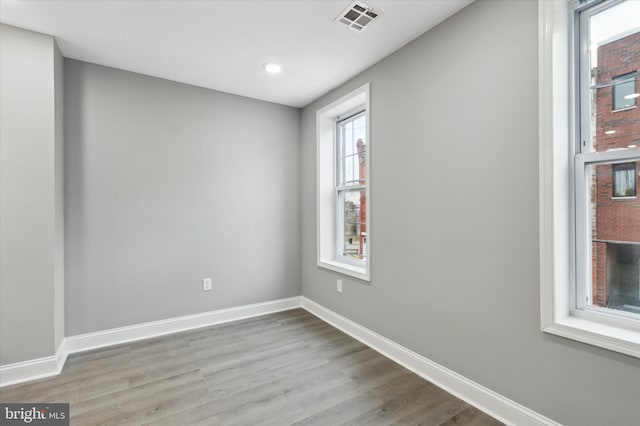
column 624, row 91
column 589, row 242
column 604, row 145
column 351, row 183
column 343, row 146
column 624, row 180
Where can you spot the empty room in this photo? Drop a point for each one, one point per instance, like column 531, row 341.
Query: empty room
column 320, row 212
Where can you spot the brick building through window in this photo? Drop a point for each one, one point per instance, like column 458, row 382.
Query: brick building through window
column 615, row 212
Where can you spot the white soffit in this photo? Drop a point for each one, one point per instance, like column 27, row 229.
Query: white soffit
column 224, row 44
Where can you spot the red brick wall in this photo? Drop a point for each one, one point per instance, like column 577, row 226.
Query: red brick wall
column 617, row 219
column 614, row 59
column 600, row 276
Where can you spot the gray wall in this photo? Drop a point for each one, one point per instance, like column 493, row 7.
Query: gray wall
column 31, row 273
column 58, row 298
column 454, row 175
column 167, row 184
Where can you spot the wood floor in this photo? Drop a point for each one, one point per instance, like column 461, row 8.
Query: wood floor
column 279, row 369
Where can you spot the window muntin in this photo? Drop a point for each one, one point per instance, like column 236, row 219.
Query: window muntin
column 624, row 91
column 351, row 181
column 607, row 232
column 624, row 179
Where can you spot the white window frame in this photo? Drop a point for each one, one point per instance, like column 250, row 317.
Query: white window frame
column 329, row 219
column 559, row 216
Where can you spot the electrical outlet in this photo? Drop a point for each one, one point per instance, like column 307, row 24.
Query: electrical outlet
column 339, row 286
column 206, row 284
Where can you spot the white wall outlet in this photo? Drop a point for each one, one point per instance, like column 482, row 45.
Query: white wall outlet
column 206, row 284
column 339, row 286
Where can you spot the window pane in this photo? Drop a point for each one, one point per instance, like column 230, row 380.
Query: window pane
column 624, row 88
column 612, row 71
column 355, row 232
column 615, row 235
column 359, row 129
column 350, row 170
column 624, row 180
column 352, row 151
column 348, row 139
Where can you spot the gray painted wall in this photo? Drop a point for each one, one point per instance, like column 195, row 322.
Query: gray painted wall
column 30, row 133
column 167, row 184
column 58, row 298
column 454, row 175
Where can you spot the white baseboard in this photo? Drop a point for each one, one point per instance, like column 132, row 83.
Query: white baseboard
column 34, row 369
column 61, row 355
column 492, row 403
column 115, row 336
column 26, row 371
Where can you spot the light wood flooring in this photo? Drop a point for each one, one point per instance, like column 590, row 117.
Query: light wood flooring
column 279, row 369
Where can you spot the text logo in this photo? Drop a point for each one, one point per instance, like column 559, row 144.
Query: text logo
column 34, row 414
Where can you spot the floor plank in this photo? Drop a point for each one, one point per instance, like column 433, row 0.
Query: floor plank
column 288, row 368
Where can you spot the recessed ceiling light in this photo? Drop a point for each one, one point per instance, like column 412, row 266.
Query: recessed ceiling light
column 632, row 96
column 609, row 132
column 272, row 67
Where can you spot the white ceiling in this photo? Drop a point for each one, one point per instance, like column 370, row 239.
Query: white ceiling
column 223, row 44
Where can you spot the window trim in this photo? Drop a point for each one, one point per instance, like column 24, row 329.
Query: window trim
column 327, row 220
column 556, row 175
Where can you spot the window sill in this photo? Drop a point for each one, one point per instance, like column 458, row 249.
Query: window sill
column 606, row 336
column 359, row 272
column 624, row 109
column 630, row 197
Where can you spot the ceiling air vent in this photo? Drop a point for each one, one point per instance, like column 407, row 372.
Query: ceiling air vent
column 357, row 17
